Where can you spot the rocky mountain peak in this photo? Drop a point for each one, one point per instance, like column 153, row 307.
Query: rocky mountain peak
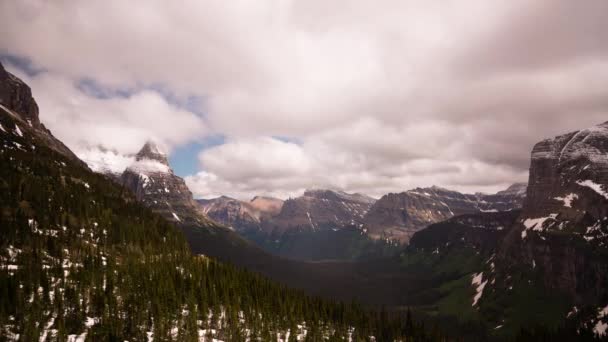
column 399, row 216
column 516, row 189
column 16, row 96
column 152, row 151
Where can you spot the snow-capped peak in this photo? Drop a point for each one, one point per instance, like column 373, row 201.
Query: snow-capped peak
column 152, row 151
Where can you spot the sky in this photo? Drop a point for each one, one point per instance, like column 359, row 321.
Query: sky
column 270, row 97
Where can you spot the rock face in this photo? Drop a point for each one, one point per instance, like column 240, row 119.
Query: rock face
column 17, row 102
column 240, row 215
column 563, row 229
column 17, row 96
column 399, row 216
column 155, row 184
column 320, row 210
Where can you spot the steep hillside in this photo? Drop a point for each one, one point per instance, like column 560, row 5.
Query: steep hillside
column 398, row 216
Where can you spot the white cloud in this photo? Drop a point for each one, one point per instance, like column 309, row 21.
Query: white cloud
column 380, row 97
column 122, row 124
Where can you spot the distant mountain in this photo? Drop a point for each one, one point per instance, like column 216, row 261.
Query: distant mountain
column 320, row 210
column 319, row 225
column 154, row 184
column 399, row 216
column 240, row 215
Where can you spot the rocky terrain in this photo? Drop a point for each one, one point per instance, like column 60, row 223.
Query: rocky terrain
column 563, row 230
column 153, row 182
column 16, row 101
column 242, row 216
column 545, row 265
column 320, row 210
column 397, row 216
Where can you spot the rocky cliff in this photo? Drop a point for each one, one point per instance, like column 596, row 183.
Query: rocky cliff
column 155, row 184
column 320, row 210
column 17, row 102
column 563, row 230
column 399, row 216
column 240, row 215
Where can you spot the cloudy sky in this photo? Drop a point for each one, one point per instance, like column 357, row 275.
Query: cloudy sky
column 275, row 96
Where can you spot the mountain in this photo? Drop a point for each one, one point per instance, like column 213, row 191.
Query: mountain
column 563, row 230
column 320, row 210
column 319, row 225
column 83, row 259
column 544, row 266
column 16, row 101
column 397, row 216
column 153, row 182
column 240, row 215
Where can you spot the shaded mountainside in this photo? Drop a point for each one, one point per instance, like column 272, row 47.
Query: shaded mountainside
column 82, row 259
column 319, row 225
column 549, row 267
column 563, row 230
column 399, row 216
column 464, row 283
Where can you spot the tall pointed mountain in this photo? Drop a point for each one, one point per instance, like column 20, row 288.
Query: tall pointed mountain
column 156, row 185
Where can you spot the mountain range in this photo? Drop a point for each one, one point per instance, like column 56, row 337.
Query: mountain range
column 130, row 255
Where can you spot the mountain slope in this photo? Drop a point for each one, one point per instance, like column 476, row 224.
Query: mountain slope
column 399, row 216
column 549, row 266
column 563, row 231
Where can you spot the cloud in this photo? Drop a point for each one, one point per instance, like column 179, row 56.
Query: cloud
column 268, row 166
column 379, row 97
column 120, row 123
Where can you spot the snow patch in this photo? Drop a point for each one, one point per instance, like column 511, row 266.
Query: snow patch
column 536, row 224
column 601, row 327
column 567, row 200
column 18, row 131
column 176, row 217
column 593, row 186
column 479, row 286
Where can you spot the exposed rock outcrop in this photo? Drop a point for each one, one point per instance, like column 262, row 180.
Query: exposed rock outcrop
column 320, row 210
column 17, row 102
column 399, row 216
column 155, row 184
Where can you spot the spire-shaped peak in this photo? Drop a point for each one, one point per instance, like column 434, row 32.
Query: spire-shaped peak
column 152, row 151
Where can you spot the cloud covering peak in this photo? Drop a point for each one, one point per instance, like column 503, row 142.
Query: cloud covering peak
column 371, row 98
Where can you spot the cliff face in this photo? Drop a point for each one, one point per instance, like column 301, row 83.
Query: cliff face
column 399, row 216
column 240, row 215
column 320, row 210
column 17, row 96
column 16, row 101
column 155, row 184
column 563, row 229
